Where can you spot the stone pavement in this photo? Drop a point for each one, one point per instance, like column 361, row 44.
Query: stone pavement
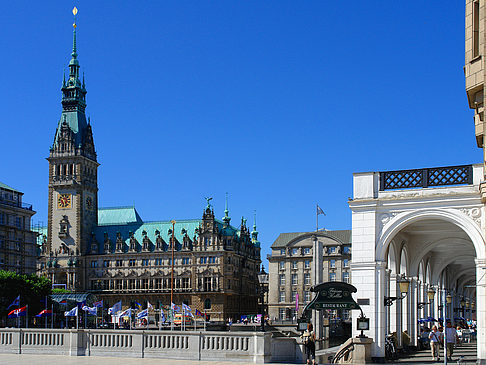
column 28, row 359
column 421, row 357
column 468, row 350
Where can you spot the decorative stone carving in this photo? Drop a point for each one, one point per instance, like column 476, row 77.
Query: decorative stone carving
column 387, row 217
column 473, row 213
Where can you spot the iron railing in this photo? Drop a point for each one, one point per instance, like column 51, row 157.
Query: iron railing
column 425, row 178
column 16, row 204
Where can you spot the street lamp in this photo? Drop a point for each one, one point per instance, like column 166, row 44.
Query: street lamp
column 403, row 284
column 449, row 299
column 430, row 297
column 263, row 280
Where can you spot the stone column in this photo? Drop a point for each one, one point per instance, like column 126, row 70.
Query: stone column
column 369, row 279
column 317, row 316
column 481, row 310
column 413, row 311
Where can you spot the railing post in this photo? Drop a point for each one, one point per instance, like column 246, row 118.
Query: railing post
column 470, row 175
column 425, row 178
column 382, row 180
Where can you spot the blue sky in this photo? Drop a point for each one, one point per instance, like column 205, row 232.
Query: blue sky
column 275, row 102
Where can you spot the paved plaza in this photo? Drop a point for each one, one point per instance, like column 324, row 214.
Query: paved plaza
column 9, row 359
column 421, row 357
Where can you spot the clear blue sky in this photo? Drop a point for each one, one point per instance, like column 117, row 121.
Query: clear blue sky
column 275, row 102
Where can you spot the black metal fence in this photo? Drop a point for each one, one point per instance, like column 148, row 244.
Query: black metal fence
column 425, row 178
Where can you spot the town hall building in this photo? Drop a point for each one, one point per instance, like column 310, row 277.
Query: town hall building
column 114, row 254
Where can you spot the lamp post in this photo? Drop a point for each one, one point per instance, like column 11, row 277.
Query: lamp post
column 263, row 280
column 403, row 284
column 430, row 297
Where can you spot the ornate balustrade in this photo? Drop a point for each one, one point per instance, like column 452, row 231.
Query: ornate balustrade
column 426, row 178
column 191, row 345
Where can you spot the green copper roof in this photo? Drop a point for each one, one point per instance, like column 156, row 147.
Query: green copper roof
column 342, row 236
column 118, row 215
column 6, row 187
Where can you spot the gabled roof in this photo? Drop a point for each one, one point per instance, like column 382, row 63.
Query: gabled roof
column 118, row 215
column 343, row 236
column 6, row 187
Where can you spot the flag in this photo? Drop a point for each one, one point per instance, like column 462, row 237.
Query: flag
column 175, row 308
column 142, row 314
column 319, row 210
column 126, row 313
column 138, row 305
column 81, row 304
column 90, row 310
column 198, row 313
column 297, row 302
column 116, row 308
column 162, row 316
column 98, row 304
column 72, row 313
column 19, row 312
column 186, row 308
column 45, row 313
column 149, row 306
column 15, row 303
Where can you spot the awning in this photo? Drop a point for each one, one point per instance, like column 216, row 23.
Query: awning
column 78, row 297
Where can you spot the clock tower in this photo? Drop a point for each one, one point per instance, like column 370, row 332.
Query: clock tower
column 73, row 186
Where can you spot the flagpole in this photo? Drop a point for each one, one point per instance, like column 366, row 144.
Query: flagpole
column 46, row 309
column 27, row 316
column 172, row 266
column 317, row 218
column 77, row 318
column 52, row 318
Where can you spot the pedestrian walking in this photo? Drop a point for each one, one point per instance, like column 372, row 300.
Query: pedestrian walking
column 451, row 339
column 435, row 338
column 309, row 341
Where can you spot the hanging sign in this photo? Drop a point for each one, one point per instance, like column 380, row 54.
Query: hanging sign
column 333, row 295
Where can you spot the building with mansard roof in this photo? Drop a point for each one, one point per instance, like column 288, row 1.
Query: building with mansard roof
column 114, row 254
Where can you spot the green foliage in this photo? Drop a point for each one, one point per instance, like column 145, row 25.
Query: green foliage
column 32, row 289
column 61, row 291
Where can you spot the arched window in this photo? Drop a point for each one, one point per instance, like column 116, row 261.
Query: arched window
column 207, row 304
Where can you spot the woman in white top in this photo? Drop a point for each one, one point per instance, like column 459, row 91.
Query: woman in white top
column 435, row 338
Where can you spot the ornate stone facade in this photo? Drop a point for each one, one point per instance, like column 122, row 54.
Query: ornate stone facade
column 111, row 252
column 17, row 241
column 291, row 268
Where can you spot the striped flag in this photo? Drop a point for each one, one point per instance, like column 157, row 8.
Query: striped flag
column 19, row 312
column 98, row 304
column 45, row 313
column 175, row 308
column 142, row 314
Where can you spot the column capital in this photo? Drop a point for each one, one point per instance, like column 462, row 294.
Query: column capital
column 480, row 262
column 375, row 265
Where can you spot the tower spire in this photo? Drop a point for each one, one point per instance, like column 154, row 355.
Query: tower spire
column 226, row 218
column 74, row 54
column 254, row 233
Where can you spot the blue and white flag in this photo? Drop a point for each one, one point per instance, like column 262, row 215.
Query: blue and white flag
column 72, row 313
column 126, row 313
column 319, row 210
column 116, row 308
column 15, row 303
column 142, row 314
column 90, row 310
column 149, row 306
column 174, row 308
column 162, row 316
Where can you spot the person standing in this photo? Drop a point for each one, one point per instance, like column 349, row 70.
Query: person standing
column 309, row 341
column 435, row 338
column 451, row 339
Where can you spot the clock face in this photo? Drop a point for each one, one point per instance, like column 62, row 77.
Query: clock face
column 89, row 203
column 64, row 201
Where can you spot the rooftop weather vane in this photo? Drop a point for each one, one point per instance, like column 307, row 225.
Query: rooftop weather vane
column 75, row 11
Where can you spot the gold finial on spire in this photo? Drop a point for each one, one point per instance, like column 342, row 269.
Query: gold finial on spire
column 75, row 11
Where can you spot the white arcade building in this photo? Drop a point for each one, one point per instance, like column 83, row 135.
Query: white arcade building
column 423, row 227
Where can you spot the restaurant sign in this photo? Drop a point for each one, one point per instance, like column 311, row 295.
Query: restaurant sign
column 333, row 295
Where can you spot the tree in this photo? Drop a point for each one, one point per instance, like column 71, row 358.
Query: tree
column 32, row 290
